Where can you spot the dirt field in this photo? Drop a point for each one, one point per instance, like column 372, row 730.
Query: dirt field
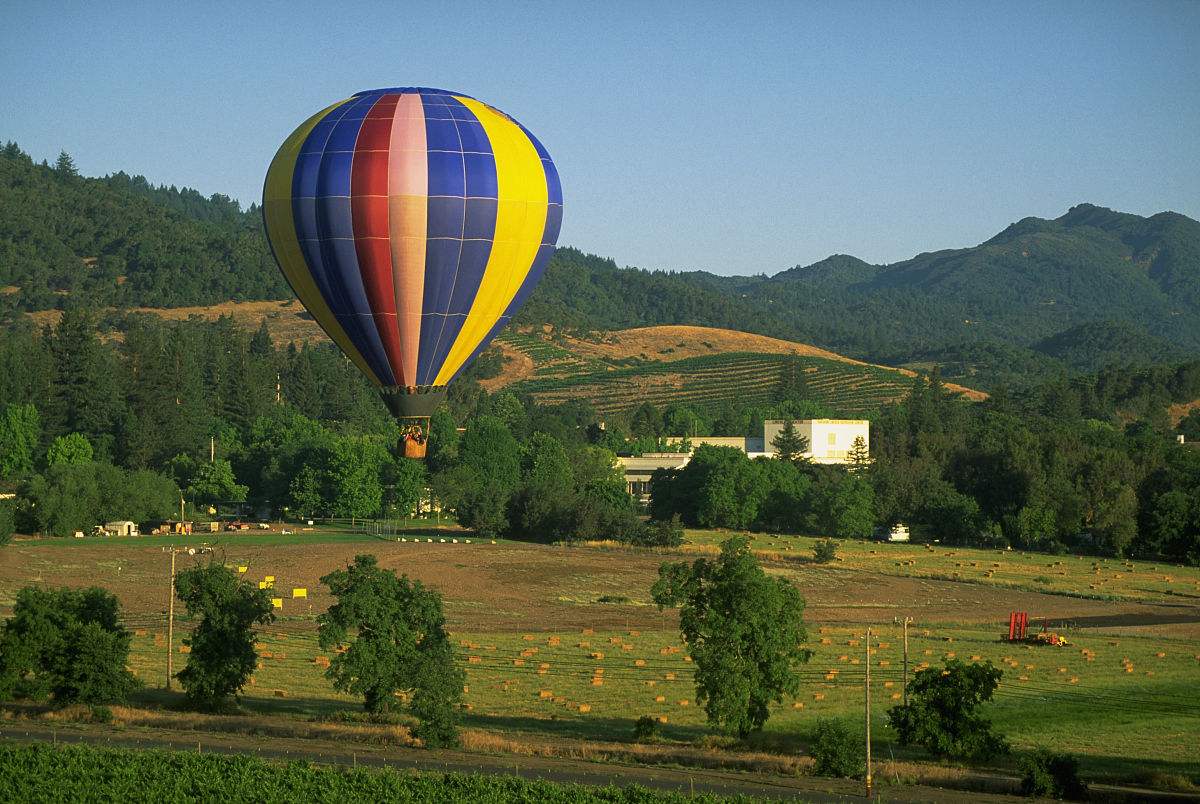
column 513, row 586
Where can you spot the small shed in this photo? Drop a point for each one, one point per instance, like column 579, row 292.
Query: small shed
column 121, row 528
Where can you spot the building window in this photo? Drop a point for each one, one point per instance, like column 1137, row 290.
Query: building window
column 832, row 439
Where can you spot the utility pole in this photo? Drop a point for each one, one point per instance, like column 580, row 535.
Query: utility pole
column 867, row 701
column 171, row 621
column 907, row 620
column 212, row 449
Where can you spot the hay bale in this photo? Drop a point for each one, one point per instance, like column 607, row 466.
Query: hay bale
column 662, row 718
column 474, row 660
column 683, row 701
column 280, row 693
column 669, row 676
column 818, row 696
column 797, row 704
column 585, row 708
column 895, row 696
column 639, row 662
column 659, row 698
column 518, row 662
column 544, row 694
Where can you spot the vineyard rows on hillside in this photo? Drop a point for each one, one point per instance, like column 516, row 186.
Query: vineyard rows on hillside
column 703, row 382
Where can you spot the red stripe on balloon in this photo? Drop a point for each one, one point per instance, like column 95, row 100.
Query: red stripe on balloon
column 369, row 212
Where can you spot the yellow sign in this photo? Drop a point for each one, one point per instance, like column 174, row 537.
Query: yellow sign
column 269, row 579
column 262, row 584
column 277, row 602
column 299, row 593
column 242, row 569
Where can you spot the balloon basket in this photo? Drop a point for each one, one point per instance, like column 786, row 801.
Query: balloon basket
column 414, row 448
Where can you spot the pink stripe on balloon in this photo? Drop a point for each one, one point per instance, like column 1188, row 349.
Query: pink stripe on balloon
column 408, row 190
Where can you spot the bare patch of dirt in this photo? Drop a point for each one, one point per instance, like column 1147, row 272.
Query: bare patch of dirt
column 287, row 321
column 1179, row 412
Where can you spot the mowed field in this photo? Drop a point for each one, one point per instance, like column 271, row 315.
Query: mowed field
column 563, row 643
column 699, row 366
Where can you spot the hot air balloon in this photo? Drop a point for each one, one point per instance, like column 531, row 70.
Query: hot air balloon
column 412, row 224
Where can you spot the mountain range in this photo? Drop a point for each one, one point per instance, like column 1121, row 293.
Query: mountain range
column 1091, row 288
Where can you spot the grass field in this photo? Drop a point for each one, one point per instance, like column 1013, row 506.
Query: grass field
column 561, row 644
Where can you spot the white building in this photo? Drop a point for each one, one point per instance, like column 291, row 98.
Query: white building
column 829, row 440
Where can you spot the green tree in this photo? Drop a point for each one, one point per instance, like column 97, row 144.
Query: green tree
column 64, row 500
column 788, row 444
column 541, row 506
column 481, row 483
column 65, row 165
column 646, row 421
column 404, row 480
column 399, row 644
column 941, row 714
column 222, row 643
column 20, row 430
column 8, row 523
column 70, row 449
column 353, row 476
column 852, row 508
column 859, row 456
column 792, row 386
column 213, row 482
column 305, row 492
column 85, row 397
column 67, row 644
column 743, row 629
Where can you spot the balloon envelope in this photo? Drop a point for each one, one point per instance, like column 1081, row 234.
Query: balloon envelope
column 412, row 223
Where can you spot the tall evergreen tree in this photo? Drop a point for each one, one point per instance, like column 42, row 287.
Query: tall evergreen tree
column 789, row 445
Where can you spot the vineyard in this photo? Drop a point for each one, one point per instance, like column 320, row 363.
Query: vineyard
column 79, row 773
column 704, row 382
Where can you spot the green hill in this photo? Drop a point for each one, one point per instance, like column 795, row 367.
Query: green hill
column 1093, row 287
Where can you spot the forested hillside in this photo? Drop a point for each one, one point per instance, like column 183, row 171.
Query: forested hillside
column 1089, row 289
column 120, row 241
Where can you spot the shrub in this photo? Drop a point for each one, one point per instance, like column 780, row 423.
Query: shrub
column 1047, row 774
column 837, row 750
column 67, row 644
column 660, row 533
column 941, row 711
column 646, row 728
column 825, row 551
column 101, row 714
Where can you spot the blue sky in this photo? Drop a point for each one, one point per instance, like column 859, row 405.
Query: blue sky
column 731, row 137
